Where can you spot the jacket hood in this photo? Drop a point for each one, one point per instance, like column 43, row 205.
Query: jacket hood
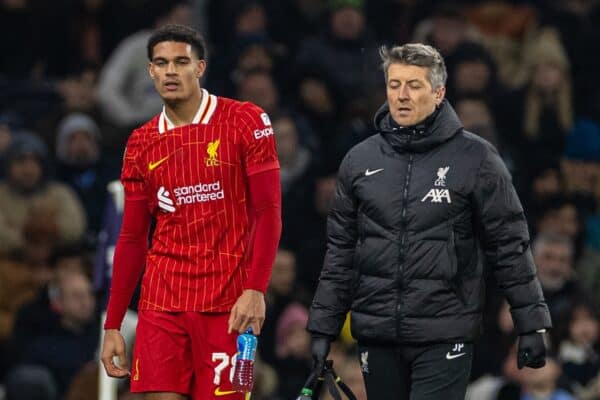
column 436, row 129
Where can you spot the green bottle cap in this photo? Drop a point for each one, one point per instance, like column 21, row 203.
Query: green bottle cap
column 306, row 392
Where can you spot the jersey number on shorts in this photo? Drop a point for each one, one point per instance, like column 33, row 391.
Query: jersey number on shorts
column 225, row 360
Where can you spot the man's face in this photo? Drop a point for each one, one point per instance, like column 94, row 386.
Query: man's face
column 447, row 33
column 316, row 97
column 584, row 327
column 473, row 113
column 548, row 78
column 82, row 148
column 260, row 90
column 284, row 273
column 347, row 23
column 25, row 172
column 287, row 139
column 472, row 77
column 553, row 262
column 76, row 300
column 547, row 183
column 175, row 69
column 410, row 95
column 324, row 193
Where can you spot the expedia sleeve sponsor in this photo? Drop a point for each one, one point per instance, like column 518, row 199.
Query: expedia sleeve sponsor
column 199, row 193
column 262, row 133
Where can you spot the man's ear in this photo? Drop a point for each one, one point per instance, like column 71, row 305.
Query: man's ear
column 439, row 94
column 151, row 70
column 200, row 68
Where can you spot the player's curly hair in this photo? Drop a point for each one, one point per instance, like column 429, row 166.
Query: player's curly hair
column 177, row 33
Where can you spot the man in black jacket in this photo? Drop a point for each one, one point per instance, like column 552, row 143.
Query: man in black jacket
column 418, row 209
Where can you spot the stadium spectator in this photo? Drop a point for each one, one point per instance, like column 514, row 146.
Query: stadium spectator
column 344, row 53
column 475, row 114
column 282, row 290
column 540, row 114
column 294, row 158
column 28, row 186
column 445, row 28
column 553, row 257
column 292, row 343
column 578, row 344
column 63, row 349
column 125, row 91
column 474, row 73
column 542, row 383
column 258, row 87
column 81, row 164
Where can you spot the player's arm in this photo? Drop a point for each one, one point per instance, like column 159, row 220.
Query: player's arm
column 265, row 217
column 128, row 261
column 128, row 264
column 262, row 171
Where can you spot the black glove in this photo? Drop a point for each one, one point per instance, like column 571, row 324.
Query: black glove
column 320, row 349
column 531, row 350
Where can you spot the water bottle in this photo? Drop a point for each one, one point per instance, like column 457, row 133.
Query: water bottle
column 305, row 394
column 243, row 375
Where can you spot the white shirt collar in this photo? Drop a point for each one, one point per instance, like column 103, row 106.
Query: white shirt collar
column 208, row 104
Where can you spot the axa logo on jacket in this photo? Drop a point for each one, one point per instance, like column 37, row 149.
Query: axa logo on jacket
column 437, row 195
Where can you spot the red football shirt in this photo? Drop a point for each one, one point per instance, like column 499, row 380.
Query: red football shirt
column 194, row 179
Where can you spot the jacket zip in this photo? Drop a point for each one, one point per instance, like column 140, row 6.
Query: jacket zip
column 403, row 240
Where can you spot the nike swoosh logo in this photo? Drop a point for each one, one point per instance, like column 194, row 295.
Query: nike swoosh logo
column 453, row 356
column 154, row 165
column 219, row 392
column 369, row 173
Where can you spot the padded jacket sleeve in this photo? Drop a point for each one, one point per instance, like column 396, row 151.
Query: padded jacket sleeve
column 336, row 285
column 505, row 241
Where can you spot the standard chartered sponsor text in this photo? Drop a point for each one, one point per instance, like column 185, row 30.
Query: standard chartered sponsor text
column 199, row 193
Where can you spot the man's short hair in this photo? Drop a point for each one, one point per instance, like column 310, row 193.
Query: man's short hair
column 177, row 33
column 418, row 54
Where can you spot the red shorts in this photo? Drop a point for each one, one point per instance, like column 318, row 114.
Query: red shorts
column 186, row 352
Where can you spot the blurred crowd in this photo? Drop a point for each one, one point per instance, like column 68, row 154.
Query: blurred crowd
column 74, row 82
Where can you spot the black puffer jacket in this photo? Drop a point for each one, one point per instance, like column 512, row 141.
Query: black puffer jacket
column 416, row 212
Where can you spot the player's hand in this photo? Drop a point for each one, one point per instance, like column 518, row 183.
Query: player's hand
column 531, row 351
column 248, row 311
column 114, row 345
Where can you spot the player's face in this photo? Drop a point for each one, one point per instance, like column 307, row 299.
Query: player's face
column 410, row 95
column 176, row 70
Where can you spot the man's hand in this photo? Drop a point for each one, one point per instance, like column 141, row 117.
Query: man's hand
column 114, row 345
column 248, row 311
column 320, row 349
column 531, row 350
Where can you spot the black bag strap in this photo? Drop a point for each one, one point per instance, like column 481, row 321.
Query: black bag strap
column 336, row 380
column 331, row 380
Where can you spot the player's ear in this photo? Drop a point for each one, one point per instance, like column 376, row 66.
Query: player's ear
column 151, row 70
column 200, row 68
